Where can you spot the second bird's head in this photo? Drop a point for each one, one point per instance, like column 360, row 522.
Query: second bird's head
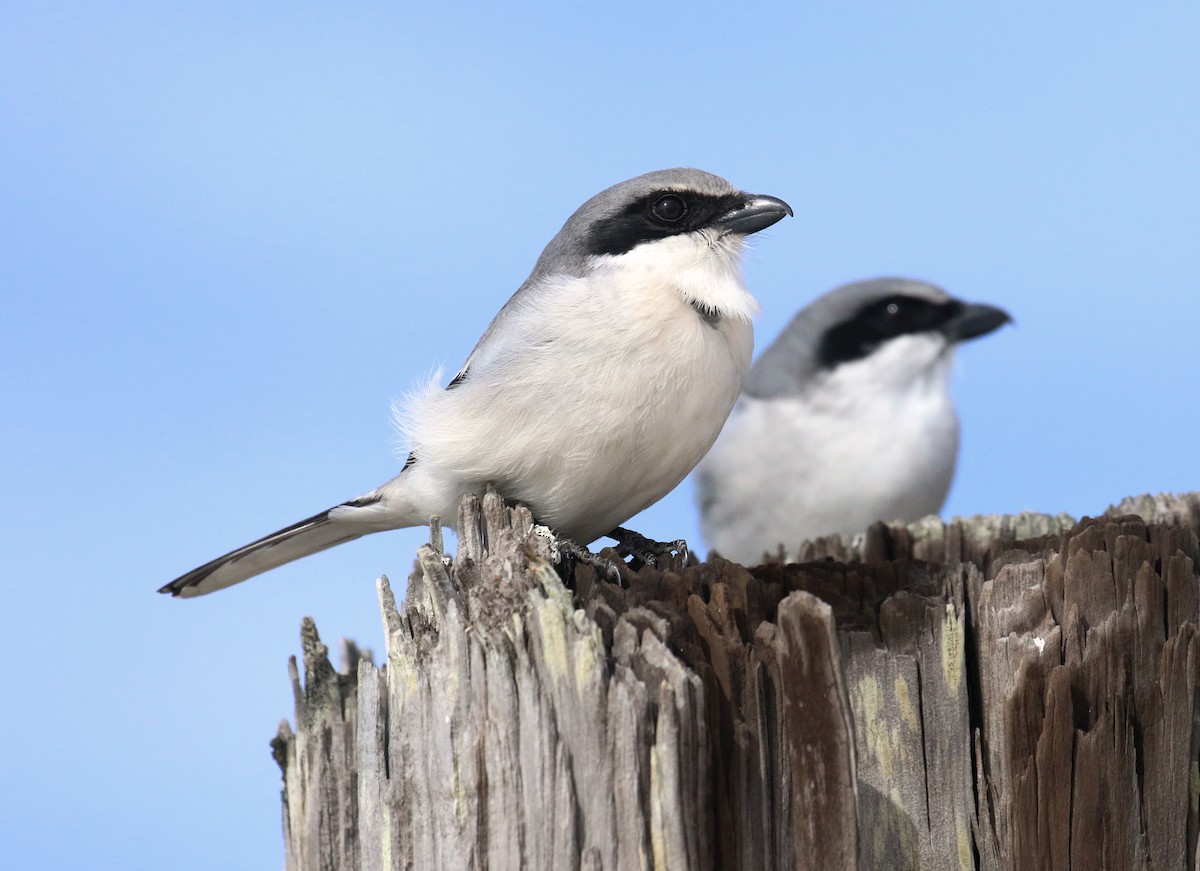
column 884, row 335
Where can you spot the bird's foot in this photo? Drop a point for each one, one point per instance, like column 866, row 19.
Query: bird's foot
column 646, row 551
column 569, row 550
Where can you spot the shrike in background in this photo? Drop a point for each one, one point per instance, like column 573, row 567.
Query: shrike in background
column 596, row 389
column 844, row 420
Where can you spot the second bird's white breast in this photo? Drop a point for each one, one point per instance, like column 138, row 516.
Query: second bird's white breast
column 834, row 460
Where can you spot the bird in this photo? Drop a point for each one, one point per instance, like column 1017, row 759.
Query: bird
column 593, row 392
column 844, row 420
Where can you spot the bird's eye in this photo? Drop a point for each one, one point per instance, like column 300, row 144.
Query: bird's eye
column 899, row 315
column 669, row 208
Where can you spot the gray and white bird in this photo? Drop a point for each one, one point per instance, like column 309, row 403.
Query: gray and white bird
column 844, row 420
column 595, row 390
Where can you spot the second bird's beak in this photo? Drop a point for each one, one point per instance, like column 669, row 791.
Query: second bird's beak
column 975, row 320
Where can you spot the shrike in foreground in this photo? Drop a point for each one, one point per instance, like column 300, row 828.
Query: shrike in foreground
column 596, row 389
column 844, row 420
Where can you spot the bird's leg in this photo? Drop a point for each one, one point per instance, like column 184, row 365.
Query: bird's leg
column 602, row 565
column 565, row 547
column 630, row 543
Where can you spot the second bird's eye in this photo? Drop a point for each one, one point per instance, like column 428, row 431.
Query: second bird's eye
column 669, row 208
column 899, row 312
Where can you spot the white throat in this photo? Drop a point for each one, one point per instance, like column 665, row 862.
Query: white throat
column 704, row 268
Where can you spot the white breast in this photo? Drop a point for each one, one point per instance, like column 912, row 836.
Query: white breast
column 602, row 396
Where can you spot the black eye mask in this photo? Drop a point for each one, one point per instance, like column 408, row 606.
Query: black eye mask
column 881, row 320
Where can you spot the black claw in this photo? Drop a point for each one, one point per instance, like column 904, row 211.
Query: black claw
column 602, row 565
column 646, row 550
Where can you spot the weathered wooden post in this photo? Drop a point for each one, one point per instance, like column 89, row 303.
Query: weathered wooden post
column 1002, row 693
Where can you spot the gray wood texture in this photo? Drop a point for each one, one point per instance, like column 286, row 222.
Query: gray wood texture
column 993, row 693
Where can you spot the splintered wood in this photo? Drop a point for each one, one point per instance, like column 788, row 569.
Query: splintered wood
column 998, row 693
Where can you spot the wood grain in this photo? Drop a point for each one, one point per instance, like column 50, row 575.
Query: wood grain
column 993, row 693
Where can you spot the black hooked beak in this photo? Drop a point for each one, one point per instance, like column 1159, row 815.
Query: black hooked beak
column 975, row 320
column 755, row 212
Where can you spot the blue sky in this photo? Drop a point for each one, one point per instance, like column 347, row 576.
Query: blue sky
column 232, row 234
